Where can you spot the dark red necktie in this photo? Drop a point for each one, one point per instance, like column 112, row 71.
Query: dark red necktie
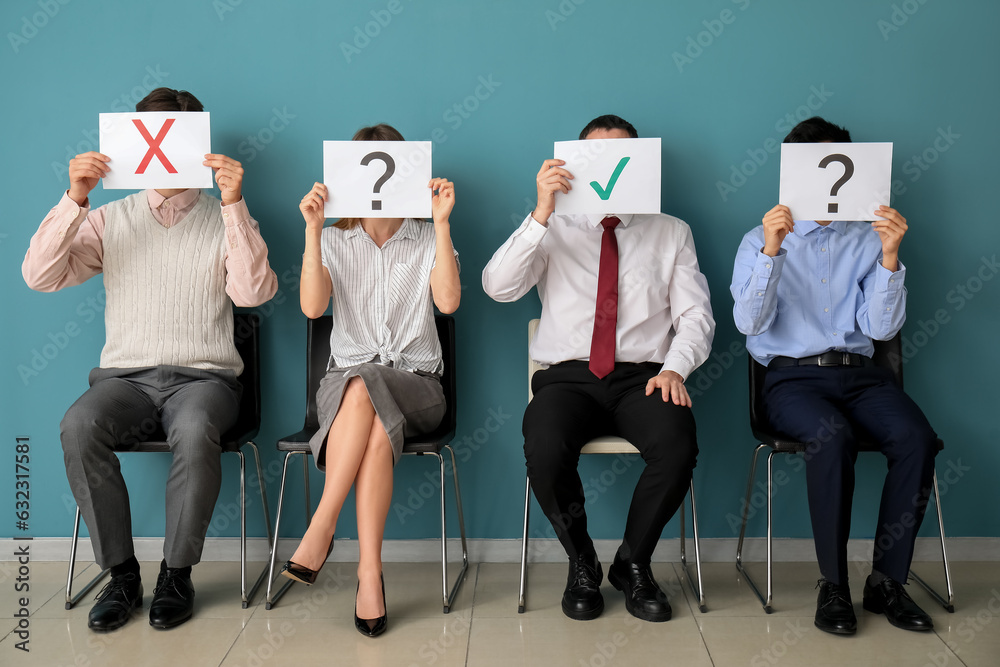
column 602, row 347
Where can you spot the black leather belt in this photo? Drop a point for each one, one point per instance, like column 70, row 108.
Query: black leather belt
column 825, row 359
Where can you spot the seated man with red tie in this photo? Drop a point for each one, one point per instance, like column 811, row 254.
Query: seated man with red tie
column 625, row 319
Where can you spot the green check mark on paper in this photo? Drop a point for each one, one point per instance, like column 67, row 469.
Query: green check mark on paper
column 604, row 193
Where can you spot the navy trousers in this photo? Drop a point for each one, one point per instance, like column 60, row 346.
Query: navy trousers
column 830, row 408
column 571, row 406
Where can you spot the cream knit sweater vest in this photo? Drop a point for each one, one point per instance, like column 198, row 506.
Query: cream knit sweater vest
column 166, row 289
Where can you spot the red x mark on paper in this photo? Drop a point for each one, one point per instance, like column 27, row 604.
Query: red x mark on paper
column 154, row 146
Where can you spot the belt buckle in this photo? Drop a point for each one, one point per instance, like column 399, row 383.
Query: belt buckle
column 843, row 360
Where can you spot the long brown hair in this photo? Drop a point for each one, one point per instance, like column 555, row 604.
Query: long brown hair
column 380, row 132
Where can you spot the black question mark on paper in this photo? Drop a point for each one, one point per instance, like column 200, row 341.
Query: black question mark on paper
column 848, row 172
column 390, row 169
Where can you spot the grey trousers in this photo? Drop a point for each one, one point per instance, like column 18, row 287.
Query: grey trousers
column 126, row 406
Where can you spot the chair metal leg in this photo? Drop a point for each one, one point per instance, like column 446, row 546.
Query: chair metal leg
column 948, row 604
column 269, row 599
column 766, row 603
column 267, row 523
column 263, row 491
column 449, row 596
column 70, row 599
column 243, row 529
column 524, row 546
column 305, row 486
column 699, row 588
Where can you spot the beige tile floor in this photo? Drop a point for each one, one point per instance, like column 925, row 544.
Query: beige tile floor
column 313, row 626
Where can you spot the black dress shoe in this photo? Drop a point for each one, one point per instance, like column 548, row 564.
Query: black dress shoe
column 371, row 627
column 582, row 600
column 643, row 597
column 115, row 603
column 834, row 609
column 173, row 597
column 891, row 599
column 301, row 573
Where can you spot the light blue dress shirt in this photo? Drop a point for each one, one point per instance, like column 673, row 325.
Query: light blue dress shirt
column 825, row 290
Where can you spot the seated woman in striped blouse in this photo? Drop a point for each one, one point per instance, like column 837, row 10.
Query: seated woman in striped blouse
column 382, row 381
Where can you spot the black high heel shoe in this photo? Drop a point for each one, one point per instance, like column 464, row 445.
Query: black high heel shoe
column 301, row 573
column 371, row 627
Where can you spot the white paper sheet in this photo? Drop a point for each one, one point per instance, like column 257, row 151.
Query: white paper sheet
column 170, row 155
column 610, row 176
column 377, row 179
column 814, row 192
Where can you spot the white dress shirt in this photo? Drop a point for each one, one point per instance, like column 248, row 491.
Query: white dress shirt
column 382, row 303
column 664, row 311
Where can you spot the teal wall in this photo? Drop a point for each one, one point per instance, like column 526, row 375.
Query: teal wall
column 286, row 76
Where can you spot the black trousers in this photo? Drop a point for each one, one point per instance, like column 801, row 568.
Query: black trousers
column 827, row 408
column 570, row 407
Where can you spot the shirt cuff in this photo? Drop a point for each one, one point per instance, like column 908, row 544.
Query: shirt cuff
column 236, row 214
column 886, row 280
column 69, row 208
column 533, row 230
column 678, row 366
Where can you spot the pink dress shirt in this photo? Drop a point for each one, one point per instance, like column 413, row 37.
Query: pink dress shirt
column 67, row 249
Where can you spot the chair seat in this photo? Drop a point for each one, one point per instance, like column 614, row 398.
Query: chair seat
column 231, row 442
column 866, row 443
column 430, row 443
column 297, row 442
column 609, row 444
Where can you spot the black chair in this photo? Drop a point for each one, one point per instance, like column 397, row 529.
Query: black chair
column 317, row 357
column 246, row 335
column 887, row 354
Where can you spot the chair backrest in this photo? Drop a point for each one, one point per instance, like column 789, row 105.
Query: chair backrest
column 318, row 356
column 888, row 354
column 246, row 337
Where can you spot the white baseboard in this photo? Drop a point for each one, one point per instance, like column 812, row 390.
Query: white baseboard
column 713, row 550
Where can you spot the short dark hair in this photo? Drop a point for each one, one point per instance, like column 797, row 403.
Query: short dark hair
column 816, row 130
column 168, row 99
column 380, row 132
column 609, row 122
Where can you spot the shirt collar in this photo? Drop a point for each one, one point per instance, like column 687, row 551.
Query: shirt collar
column 595, row 220
column 180, row 201
column 408, row 230
column 803, row 227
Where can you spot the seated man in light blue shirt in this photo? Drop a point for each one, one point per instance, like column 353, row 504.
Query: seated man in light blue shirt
column 811, row 296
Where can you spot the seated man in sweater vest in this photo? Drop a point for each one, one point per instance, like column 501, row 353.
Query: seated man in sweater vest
column 174, row 263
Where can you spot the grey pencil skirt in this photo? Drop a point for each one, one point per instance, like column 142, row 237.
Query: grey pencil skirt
column 406, row 403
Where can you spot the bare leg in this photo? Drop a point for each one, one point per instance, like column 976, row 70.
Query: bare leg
column 373, row 493
column 345, row 448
